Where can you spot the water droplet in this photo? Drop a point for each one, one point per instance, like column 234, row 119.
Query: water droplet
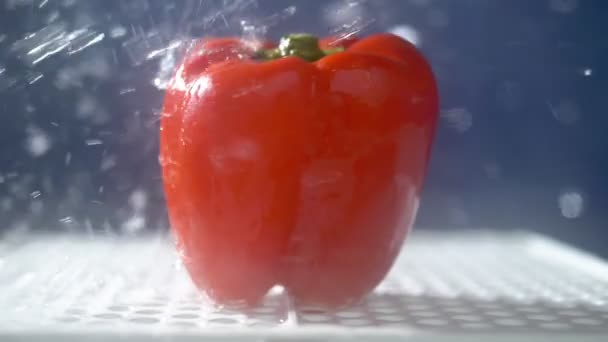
column 339, row 13
column 118, row 31
column 127, row 90
column 67, row 220
column 34, row 77
column 38, row 142
column 141, row 47
column 571, row 204
column 107, row 162
column 407, row 32
column 93, row 142
column 459, row 119
column 134, row 224
column 166, row 67
column 138, row 199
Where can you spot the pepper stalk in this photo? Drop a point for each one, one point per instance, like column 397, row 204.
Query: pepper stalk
column 302, row 45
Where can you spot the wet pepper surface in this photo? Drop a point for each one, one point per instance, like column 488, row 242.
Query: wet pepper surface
column 299, row 164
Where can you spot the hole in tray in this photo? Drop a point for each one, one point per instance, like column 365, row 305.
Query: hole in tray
column 185, row 324
column 188, row 308
column 261, row 324
column 379, row 303
column 108, row 315
column 467, row 318
column 186, row 316
column 531, row 309
column 268, row 318
column 475, row 325
column 223, row 320
column 599, row 309
column 75, row 312
column 447, row 302
column 144, row 320
column 228, row 312
column 148, row 312
column 387, row 310
column 68, row 319
column 355, row 322
column 391, row 318
column 118, row 308
column 498, row 313
column 103, row 322
column 488, row 305
column 554, row 326
column 398, row 325
column 545, row 318
column 510, row 322
column 428, row 314
column 572, row 313
column 458, row 310
column 316, row 317
column 417, row 307
column 432, row 321
column 350, row 314
column 587, row 321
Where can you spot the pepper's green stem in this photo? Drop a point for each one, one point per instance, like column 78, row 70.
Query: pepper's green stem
column 302, row 45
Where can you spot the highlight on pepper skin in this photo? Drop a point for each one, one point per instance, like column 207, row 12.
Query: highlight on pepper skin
column 297, row 164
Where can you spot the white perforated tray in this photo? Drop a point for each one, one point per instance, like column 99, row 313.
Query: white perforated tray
column 458, row 286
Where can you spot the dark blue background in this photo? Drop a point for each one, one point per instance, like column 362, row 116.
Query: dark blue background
column 523, row 87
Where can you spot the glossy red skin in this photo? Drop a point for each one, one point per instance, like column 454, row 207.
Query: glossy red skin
column 302, row 174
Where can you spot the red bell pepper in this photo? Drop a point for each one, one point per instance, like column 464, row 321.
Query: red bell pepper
column 299, row 165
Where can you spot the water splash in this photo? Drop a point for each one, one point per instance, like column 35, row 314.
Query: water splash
column 38, row 142
column 54, row 39
column 408, row 33
column 459, row 119
column 571, row 204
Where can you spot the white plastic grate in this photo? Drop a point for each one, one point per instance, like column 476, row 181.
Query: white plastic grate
column 445, row 286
